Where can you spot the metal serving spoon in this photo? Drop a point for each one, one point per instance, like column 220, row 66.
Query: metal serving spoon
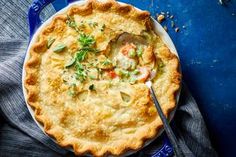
column 165, row 122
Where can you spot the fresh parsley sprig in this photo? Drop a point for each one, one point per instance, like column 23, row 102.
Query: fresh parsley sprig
column 80, row 55
column 87, row 45
column 106, row 62
column 71, row 23
column 80, row 72
column 86, row 40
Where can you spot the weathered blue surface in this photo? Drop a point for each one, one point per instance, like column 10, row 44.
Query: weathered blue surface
column 207, row 50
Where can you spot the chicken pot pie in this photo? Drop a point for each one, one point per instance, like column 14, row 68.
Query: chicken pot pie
column 85, row 78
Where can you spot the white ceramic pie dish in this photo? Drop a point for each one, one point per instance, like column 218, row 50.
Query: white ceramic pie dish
column 158, row 30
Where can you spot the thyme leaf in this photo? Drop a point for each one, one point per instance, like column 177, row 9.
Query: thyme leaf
column 86, row 40
column 59, row 47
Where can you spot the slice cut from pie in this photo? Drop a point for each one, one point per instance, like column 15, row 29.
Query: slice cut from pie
column 86, row 74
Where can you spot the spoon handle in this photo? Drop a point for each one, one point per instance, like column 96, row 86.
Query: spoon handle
column 167, row 127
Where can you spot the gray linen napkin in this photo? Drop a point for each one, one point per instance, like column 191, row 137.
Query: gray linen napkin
column 20, row 136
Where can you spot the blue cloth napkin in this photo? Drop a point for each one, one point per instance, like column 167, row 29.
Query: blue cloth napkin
column 20, row 136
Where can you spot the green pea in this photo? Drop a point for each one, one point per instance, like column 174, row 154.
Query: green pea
column 135, row 72
column 140, row 51
column 132, row 53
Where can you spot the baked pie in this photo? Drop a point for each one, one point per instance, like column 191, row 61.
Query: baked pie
column 86, row 74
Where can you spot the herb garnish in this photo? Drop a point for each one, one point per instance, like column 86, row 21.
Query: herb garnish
column 91, row 87
column 93, row 24
column 80, row 55
column 50, row 42
column 80, row 72
column 71, row 23
column 86, row 40
column 103, row 27
column 82, row 25
column 71, row 91
column 106, row 62
column 87, row 45
column 70, row 63
column 161, row 65
column 132, row 80
column 59, row 47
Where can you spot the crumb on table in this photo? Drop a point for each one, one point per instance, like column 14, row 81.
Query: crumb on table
column 172, row 24
column 165, row 28
column 177, row 29
column 160, row 18
column 169, row 17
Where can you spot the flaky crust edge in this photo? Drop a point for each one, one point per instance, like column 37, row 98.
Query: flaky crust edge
column 32, row 72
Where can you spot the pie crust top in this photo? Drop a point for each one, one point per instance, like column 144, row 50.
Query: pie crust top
column 86, row 74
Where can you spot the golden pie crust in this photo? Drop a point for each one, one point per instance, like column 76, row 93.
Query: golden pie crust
column 116, row 116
